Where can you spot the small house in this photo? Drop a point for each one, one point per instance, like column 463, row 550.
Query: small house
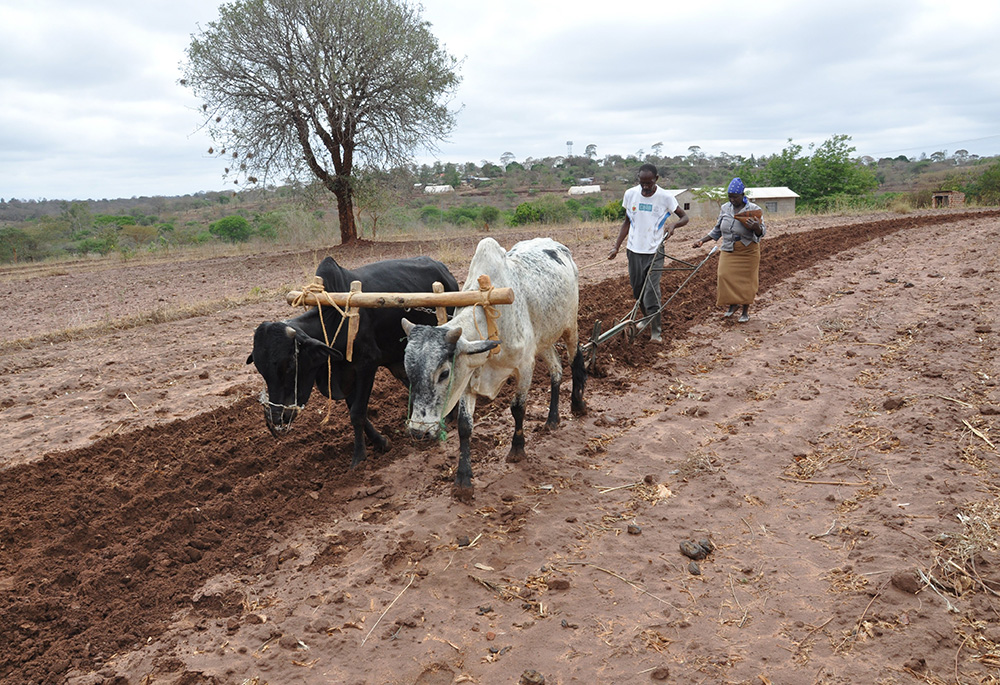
column 695, row 208
column 584, row 190
column 774, row 200
column 947, row 198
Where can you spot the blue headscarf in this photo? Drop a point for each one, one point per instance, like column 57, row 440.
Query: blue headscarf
column 736, row 186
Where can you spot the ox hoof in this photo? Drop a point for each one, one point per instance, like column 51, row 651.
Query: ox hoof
column 579, row 409
column 382, row 445
column 515, row 456
column 463, row 493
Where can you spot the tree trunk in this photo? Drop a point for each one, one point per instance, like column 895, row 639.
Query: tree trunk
column 345, row 209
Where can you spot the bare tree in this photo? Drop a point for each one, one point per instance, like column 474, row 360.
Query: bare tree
column 320, row 86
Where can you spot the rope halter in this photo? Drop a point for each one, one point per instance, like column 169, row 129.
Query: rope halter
column 291, row 409
column 315, row 288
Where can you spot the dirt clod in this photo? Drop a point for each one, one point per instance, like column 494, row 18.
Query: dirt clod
column 693, row 550
column 906, row 581
column 531, row 678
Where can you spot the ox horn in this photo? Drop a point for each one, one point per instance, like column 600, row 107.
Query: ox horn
column 453, row 335
column 290, row 332
column 407, row 325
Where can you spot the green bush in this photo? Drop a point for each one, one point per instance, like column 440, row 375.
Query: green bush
column 101, row 246
column 18, row 246
column 525, row 213
column 613, row 211
column 986, row 188
column 461, row 216
column 102, row 220
column 139, row 235
column 545, row 210
column 430, row 214
column 921, row 199
column 266, row 225
column 232, row 229
column 489, row 215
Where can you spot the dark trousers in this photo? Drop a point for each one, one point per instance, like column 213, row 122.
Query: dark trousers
column 647, row 292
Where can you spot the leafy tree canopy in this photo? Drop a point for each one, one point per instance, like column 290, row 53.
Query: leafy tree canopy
column 986, row 188
column 232, row 229
column 828, row 172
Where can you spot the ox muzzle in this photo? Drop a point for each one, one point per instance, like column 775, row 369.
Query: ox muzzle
column 278, row 417
column 424, row 430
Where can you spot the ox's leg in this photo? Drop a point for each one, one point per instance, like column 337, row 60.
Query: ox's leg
column 358, row 406
column 577, row 403
column 555, row 378
column 462, row 489
column 578, row 369
column 517, row 405
column 362, row 427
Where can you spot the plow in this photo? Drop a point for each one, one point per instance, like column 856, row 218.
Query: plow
column 633, row 323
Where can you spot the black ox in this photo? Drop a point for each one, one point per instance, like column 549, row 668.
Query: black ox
column 292, row 357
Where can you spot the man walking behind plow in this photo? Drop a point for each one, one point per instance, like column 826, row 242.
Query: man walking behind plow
column 647, row 208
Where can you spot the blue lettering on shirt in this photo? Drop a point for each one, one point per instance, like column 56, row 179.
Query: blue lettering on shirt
column 645, row 207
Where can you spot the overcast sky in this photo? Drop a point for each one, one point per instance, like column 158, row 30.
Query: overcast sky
column 90, row 106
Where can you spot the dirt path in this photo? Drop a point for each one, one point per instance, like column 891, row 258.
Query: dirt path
column 837, row 451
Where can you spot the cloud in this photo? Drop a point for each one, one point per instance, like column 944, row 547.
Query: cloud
column 90, row 104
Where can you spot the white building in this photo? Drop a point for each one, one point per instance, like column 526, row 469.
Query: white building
column 774, row 200
column 438, row 189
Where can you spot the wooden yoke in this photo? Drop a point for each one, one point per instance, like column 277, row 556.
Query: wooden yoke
column 485, row 286
column 442, row 312
column 353, row 319
column 349, row 303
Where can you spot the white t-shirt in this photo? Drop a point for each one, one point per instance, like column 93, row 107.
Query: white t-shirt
column 648, row 215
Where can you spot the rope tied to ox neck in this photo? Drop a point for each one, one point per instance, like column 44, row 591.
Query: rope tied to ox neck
column 315, row 288
column 491, row 314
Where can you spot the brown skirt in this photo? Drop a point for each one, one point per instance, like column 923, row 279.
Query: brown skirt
column 738, row 274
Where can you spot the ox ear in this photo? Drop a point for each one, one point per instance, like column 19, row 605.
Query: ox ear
column 477, row 347
column 250, row 358
column 319, row 351
column 407, row 325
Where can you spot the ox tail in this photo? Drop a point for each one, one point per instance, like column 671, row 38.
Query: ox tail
column 579, row 368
